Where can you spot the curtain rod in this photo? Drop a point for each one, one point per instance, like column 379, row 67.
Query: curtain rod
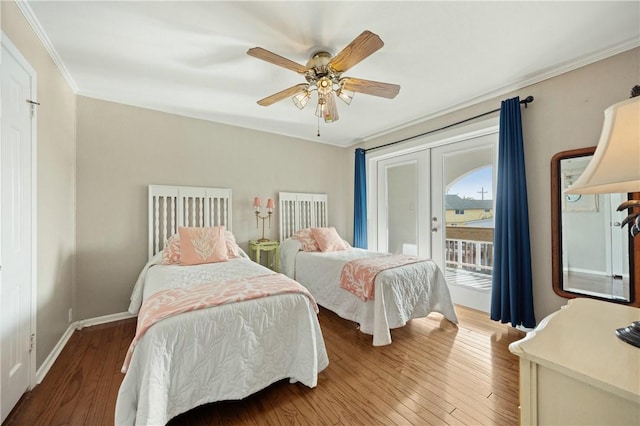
column 524, row 101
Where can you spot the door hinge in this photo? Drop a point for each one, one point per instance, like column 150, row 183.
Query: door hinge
column 33, row 104
column 32, row 342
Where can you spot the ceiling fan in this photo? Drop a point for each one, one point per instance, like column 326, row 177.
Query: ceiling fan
column 323, row 73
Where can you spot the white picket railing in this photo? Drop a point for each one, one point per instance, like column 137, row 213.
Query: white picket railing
column 469, row 254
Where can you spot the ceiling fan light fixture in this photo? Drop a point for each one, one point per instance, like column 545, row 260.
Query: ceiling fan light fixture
column 325, row 85
column 345, row 95
column 323, row 74
column 330, row 111
column 301, row 99
column 322, row 103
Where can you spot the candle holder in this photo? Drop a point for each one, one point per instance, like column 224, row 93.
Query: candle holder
column 257, row 204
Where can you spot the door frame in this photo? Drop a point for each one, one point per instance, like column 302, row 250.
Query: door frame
column 5, row 43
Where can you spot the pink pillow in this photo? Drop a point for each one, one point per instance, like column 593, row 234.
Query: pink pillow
column 306, row 239
column 171, row 250
column 202, row 245
column 233, row 249
column 328, row 239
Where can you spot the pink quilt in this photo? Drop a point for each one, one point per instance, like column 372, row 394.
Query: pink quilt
column 358, row 276
column 167, row 303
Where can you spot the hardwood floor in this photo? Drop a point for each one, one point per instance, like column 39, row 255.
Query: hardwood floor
column 429, row 375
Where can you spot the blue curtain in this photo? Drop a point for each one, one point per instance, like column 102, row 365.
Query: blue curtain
column 512, row 292
column 360, row 201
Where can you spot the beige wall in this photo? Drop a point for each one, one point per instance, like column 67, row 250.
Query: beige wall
column 567, row 113
column 122, row 149
column 55, row 184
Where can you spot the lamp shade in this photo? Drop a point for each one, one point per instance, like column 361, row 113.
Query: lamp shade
column 269, row 203
column 256, row 202
column 615, row 166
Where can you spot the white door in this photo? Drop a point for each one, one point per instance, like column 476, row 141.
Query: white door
column 617, row 250
column 16, row 228
column 619, row 238
column 463, row 181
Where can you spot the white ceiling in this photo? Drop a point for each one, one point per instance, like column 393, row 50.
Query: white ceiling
column 189, row 58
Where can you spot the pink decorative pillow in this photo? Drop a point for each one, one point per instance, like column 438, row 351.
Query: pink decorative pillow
column 171, row 250
column 306, row 239
column 233, row 249
column 328, row 239
column 202, row 245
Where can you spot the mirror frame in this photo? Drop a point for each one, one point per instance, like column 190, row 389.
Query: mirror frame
column 556, row 236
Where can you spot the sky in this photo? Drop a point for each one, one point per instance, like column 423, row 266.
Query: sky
column 471, row 185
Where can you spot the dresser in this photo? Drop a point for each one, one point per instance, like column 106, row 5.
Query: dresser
column 574, row 369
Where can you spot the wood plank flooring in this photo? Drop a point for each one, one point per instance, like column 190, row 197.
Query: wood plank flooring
column 429, row 375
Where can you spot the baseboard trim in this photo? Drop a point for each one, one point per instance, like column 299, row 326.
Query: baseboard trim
column 103, row 320
column 53, row 355
column 78, row 325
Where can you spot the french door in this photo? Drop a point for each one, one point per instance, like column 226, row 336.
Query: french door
column 437, row 202
column 464, row 181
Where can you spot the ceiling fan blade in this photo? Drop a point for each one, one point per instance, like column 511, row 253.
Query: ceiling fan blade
column 265, row 55
column 368, row 87
column 361, row 47
column 286, row 93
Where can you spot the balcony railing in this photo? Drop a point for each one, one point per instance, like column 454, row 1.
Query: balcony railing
column 469, row 248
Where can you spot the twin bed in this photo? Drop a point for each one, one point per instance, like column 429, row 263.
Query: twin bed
column 222, row 330
column 226, row 352
column 412, row 290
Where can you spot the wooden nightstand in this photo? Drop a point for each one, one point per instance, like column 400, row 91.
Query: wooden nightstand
column 270, row 247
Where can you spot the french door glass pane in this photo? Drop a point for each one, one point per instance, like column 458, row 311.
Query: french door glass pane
column 468, row 181
column 401, row 208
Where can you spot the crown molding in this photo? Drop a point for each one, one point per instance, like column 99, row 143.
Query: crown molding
column 33, row 21
column 517, row 85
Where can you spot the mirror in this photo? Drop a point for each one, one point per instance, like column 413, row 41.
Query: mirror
column 592, row 256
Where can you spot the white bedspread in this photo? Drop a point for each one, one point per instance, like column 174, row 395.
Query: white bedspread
column 403, row 293
column 222, row 353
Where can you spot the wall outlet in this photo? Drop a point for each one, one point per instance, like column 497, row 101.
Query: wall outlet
column 70, row 315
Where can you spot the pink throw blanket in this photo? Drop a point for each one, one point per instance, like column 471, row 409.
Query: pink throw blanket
column 358, row 276
column 167, row 303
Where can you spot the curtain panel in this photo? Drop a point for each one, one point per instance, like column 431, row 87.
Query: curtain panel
column 512, row 291
column 360, row 201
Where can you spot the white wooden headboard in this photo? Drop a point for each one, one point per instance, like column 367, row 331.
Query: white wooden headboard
column 173, row 206
column 300, row 210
